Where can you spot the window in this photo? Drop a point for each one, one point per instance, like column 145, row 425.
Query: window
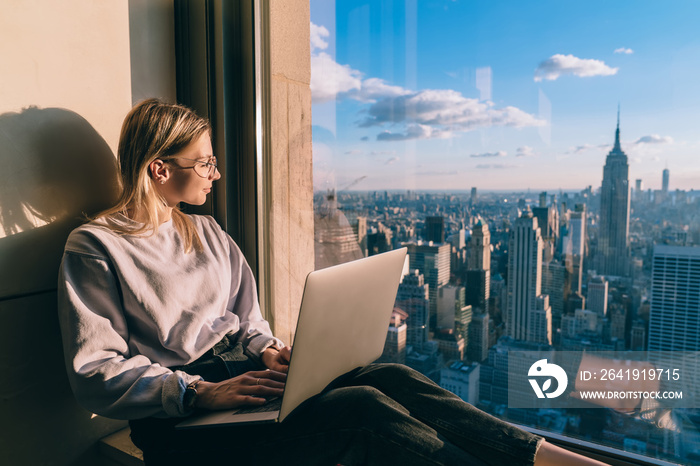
column 538, row 162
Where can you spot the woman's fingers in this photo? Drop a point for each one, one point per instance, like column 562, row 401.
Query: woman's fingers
column 267, row 375
column 264, row 391
column 250, row 388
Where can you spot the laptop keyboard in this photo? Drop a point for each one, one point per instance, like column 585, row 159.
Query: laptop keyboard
column 274, row 404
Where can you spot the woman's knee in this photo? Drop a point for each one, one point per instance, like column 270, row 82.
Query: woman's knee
column 361, row 401
column 395, row 373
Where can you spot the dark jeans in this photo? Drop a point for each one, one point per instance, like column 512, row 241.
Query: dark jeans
column 381, row 414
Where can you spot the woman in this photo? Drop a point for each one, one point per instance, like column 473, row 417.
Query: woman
column 159, row 317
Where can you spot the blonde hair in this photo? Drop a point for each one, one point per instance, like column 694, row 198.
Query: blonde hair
column 152, row 130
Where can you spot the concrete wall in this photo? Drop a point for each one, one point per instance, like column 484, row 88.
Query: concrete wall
column 65, row 87
column 292, row 219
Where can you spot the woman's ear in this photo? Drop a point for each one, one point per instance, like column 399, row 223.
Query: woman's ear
column 159, row 171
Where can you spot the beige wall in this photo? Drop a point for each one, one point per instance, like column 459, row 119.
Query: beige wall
column 65, row 87
column 292, row 217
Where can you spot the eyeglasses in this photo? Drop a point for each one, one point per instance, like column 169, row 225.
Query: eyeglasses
column 203, row 169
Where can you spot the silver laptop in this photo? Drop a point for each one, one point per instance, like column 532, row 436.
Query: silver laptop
column 343, row 322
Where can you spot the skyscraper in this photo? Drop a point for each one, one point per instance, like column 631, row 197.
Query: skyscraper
column 598, row 296
column 435, row 229
column 674, row 317
column 664, row 181
column 478, row 341
column 412, row 298
column 395, row 343
column 433, row 261
column 557, row 285
column 529, row 316
column 613, row 239
column 575, row 245
column 478, row 275
column 449, row 304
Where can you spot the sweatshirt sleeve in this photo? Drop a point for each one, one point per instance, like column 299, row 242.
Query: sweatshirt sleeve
column 254, row 332
column 106, row 379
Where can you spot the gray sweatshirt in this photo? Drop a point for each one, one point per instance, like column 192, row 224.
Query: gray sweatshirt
column 131, row 306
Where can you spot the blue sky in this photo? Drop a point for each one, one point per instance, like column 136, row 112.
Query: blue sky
column 516, row 95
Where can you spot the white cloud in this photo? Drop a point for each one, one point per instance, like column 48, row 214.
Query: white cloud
column 525, row 151
column 580, row 149
column 624, row 50
column 423, row 114
column 586, row 147
column 559, row 65
column 500, row 153
column 354, row 152
column 414, row 132
column 328, row 78
column 373, row 89
column 383, row 152
column 445, row 108
column 391, row 160
column 654, row 139
column 317, row 37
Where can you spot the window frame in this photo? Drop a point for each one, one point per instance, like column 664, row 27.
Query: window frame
column 222, row 58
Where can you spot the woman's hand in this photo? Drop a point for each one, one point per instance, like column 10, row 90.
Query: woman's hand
column 251, row 388
column 277, row 360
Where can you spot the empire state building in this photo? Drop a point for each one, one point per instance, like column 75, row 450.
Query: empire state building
column 613, row 240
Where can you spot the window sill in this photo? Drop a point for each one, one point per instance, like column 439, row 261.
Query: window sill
column 609, row 455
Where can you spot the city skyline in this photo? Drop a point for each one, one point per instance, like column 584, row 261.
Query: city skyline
column 450, row 95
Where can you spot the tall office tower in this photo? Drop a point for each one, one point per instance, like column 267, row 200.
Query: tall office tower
column 478, row 275
column 458, row 239
column 480, row 247
column 543, row 199
column 433, row 261
column 574, row 245
column 360, row 229
column 474, row 197
column 478, row 340
column 395, row 343
column 435, row 229
column 542, row 216
column 525, row 281
column 463, row 320
column 664, row 181
column 598, row 295
column 674, row 323
column 613, row 239
column 449, row 305
column 556, row 284
column 541, row 321
column 548, row 221
column 412, row 298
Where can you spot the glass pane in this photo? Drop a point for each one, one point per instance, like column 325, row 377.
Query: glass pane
column 539, row 162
